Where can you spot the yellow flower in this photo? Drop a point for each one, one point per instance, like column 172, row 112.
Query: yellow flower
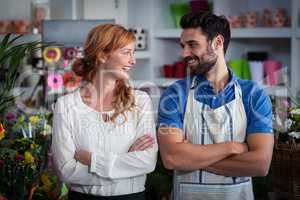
column 2, row 130
column 34, row 120
column 46, row 183
column 34, row 146
column 28, row 157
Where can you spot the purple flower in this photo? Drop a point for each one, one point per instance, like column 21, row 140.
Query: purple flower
column 19, row 157
column 10, row 117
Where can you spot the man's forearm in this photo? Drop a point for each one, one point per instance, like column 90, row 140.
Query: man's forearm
column 255, row 162
column 189, row 157
column 246, row 164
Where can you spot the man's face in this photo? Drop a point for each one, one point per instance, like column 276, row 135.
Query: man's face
column 197, row 52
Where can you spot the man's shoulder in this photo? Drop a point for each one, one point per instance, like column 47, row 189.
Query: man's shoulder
column 251, row 88
column 179, row 87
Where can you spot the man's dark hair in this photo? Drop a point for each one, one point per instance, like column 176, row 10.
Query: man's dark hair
column 211, row 25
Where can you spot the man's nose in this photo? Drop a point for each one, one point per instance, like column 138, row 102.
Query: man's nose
column 185, row 52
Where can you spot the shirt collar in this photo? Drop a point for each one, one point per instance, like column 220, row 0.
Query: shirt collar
column 203, row 83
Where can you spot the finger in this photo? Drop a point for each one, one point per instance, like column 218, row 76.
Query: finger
column 142, row 140
column 141, row 143
column 145, row 145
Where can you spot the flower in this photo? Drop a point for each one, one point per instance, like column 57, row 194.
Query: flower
column 71, row 81
column 21, row 119
column 19, row 157
column 2, row 130
column 70, row 53
column 34, row 119
column 29, row 159
column 45, row 179
column 10, row 117
column 295, row 111
column 51, row 54
column 47, row 130
column 55, row 81
column 295, row 134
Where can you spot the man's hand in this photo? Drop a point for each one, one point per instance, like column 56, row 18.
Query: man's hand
column 83, row 156
column 142, row 143
column 238, row 147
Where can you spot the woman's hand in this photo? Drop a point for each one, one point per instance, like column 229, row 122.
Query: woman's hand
column 142, row 143
column 83, row 156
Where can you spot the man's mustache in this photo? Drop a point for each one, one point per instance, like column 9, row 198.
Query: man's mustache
column 187, row 59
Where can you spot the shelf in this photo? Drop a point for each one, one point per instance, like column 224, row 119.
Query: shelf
column 25, row 37
column 158, row 83
column 142, row 54
column 235, row 33
column 261, row 33
column 278, row 91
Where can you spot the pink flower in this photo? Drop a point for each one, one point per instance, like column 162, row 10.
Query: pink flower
column 55, row 81
column 285, row 104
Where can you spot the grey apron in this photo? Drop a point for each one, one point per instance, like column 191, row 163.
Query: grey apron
column 203, row 125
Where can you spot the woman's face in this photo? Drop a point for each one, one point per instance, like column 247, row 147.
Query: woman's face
column 120, row 62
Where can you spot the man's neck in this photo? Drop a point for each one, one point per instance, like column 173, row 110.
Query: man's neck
column 219, row 76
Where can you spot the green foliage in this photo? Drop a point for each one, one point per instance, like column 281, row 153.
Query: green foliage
column 11, row 55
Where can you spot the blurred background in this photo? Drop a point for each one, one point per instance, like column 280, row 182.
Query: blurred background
column 265, row 47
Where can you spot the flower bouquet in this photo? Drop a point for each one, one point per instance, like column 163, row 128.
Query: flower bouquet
column 285, row 165
column 24, row 146
column 287, row 124
column 24, row 138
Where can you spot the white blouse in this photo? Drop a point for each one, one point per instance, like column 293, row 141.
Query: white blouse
column 113, row 170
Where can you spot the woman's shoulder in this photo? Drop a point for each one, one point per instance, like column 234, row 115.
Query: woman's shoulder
column 141, row 96
column 67, row 100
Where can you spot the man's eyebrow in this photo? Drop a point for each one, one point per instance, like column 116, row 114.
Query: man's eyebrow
column 192, row 41
column 189, row 42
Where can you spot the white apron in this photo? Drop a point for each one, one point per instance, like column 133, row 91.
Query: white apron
column 203, row 125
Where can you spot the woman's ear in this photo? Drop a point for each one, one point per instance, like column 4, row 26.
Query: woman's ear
column 101, row 58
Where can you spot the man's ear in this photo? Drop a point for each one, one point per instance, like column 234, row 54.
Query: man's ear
column 218, row 42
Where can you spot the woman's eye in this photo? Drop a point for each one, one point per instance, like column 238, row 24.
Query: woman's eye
column 126, row 53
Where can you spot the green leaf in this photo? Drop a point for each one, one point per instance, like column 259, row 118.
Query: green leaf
column 11, row 56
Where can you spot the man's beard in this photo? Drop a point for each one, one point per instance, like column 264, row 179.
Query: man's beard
column 203, row 66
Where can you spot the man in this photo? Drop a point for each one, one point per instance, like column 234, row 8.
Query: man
column 215, row 130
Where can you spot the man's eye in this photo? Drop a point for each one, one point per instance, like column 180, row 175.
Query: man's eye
column 193, row 45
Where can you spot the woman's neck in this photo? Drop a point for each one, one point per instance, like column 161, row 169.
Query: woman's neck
column 99, row 94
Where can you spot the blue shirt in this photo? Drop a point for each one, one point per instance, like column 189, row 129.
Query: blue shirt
column 257, row 103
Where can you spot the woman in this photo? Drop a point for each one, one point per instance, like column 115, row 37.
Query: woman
column 104, row 140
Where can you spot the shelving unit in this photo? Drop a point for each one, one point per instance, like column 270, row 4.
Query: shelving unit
column 163, row 38
column 281, row 43
column 236, row 33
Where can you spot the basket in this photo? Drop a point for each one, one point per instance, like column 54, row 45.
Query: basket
column 285, row 170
